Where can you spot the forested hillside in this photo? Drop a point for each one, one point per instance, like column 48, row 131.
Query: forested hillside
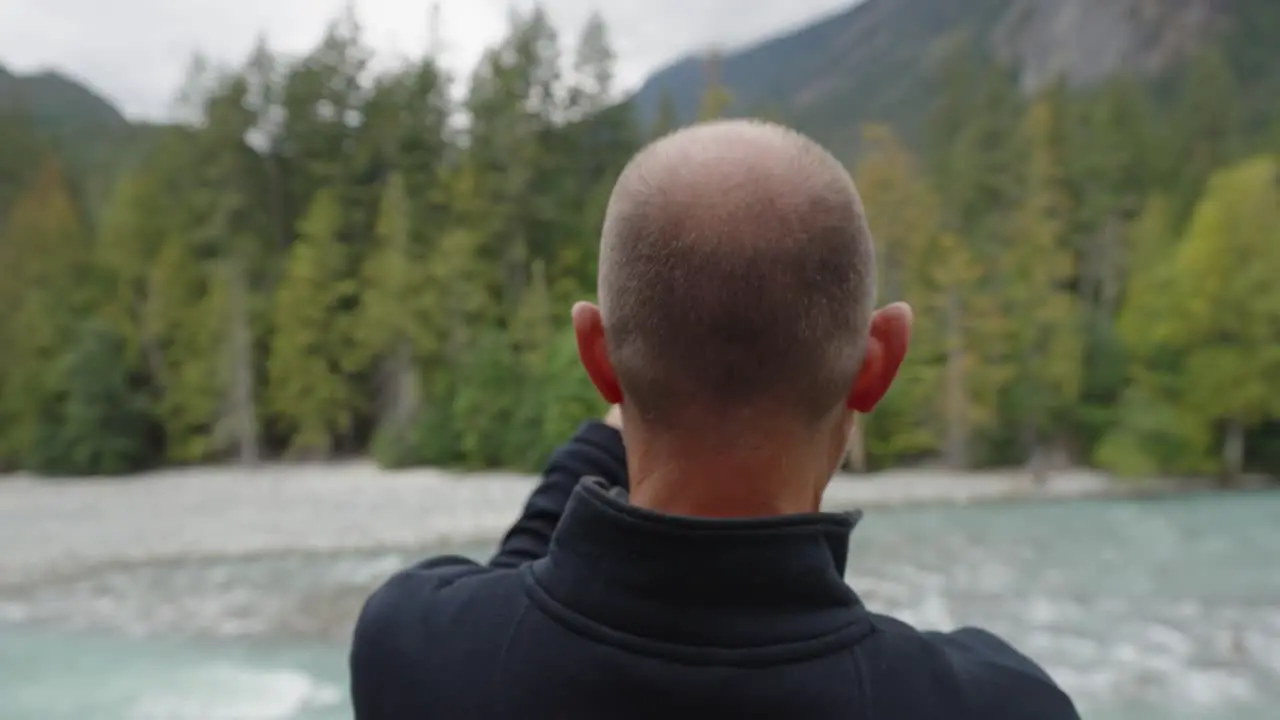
column 57, row 102
column 48, row 111
column 326, row 265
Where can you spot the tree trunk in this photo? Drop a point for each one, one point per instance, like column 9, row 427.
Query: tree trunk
column 1233, row 453
column 152, row 353
column 515, row 276
column 956, row 414
column 1112, row 270
column 243, row 409
column 1037, row 460
column 401, row 393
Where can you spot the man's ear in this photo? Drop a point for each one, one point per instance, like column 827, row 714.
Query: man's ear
column 890, row 333
column 588, row 328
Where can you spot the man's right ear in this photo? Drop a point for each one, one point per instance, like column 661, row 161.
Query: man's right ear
column 889, row 336
column 588, row 328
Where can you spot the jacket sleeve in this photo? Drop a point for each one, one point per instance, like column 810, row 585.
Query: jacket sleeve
column 386, row 646
column 1000, row 682
column 594, row 451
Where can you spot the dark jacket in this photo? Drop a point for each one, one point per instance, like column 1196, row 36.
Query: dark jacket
column 594, row 609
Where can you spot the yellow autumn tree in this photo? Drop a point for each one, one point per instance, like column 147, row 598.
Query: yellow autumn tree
column 1225, row 309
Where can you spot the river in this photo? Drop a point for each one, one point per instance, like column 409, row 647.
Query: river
column 1144, row 610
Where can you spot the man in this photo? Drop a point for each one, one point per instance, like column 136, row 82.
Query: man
column 692, row 575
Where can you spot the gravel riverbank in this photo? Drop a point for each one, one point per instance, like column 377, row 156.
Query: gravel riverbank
column 51, row 528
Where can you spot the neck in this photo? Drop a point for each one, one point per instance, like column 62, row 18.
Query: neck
column 695, row 477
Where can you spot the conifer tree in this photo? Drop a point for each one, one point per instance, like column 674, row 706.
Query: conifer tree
column 1036, row 269
column 307, row 389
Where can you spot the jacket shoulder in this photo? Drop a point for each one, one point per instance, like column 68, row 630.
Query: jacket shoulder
column 968, row 673
column 421, row 625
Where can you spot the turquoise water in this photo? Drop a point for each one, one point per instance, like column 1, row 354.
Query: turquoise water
column 57, row 675
column 1164, row 610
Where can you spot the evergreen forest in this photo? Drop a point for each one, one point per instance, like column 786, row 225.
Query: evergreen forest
column 322, row 261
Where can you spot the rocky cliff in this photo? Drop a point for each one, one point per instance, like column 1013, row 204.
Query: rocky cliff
column 1085, row 41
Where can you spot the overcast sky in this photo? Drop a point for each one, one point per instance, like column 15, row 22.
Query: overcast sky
column 136, row 51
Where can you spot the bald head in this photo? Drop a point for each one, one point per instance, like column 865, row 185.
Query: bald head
column 736, row 276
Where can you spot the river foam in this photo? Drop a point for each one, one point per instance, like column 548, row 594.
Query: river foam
column 232, row 692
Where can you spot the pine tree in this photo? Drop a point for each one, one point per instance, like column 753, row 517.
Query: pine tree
column 667, row 119
column 1035, row 274
column 393, row 332
column 593, row 68
column 970, row 325
column 47, row 291
column 902, row 212
column 531, row 335
column 104, row 427
column 133, row 229
column 716, row 97
column 902, row 209
column 307, row 389
column 185, row 314
column 1204, row 128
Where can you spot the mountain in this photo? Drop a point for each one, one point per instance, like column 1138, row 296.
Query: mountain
column 88, row 132
column 876, row 60
column 1086, row 41
column 58, row 103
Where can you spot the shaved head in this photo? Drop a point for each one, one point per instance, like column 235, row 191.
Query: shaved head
column 736, row 277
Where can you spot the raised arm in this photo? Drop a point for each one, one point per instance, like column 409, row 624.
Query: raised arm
column 385, row 652
column 594, row 451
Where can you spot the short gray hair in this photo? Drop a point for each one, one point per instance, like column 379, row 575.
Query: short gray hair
column 737, row 272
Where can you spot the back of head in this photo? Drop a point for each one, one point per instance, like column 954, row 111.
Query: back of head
column 736, row 277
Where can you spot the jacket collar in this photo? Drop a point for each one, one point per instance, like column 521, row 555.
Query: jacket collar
column 693, row 581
